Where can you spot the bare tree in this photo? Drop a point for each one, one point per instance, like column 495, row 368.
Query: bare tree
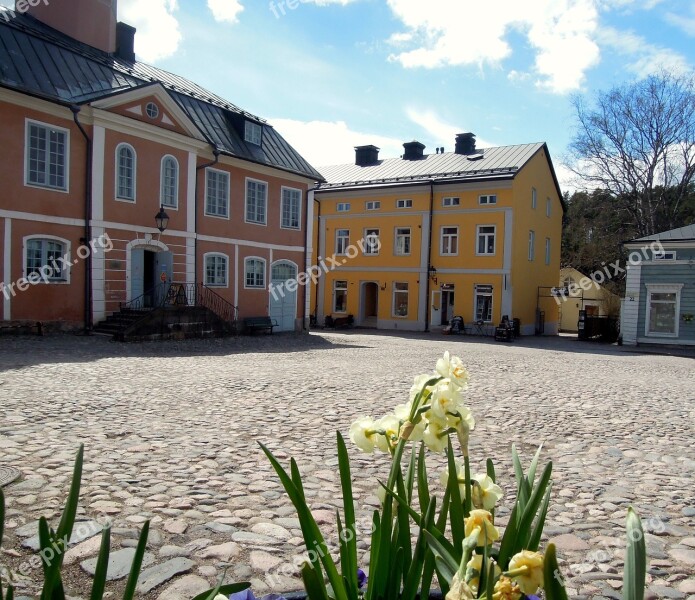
column 637, row 142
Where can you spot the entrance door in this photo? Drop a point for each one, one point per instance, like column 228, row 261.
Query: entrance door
column 148, row 269
column 447, row 306
column 436, row 313
column 370, row 303
column 283, row 304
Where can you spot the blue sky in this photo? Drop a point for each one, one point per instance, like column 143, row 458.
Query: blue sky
column 332, row 74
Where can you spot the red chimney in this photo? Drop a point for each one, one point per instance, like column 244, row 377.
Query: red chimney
column 92, row 22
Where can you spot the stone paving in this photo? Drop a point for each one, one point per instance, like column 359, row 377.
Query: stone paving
column 171, row 432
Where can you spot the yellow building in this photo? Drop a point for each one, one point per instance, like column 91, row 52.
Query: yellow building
column 408, row 243
column 583, row 294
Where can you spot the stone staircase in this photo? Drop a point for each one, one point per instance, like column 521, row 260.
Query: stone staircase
column 116, row 324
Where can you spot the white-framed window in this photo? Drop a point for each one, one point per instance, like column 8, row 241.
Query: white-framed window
column 534, row 198
column 548, row 207
column 486, row 239
column 42, row 259
column 216, row 269
column 253, row 133
column 487, row 199
column 340, row 290
column 400, row 299
column 402, row 241
column 483, row 303
column 216, row 193
column 547, row 251
column 152, row 110
column 372, row 205
column 169, row 192
column 343, row 207
column 254, row 272
column 404, row 203
column 663, row 309
column 531, row 245
column 291, row 208
column 664, row 255
column 126, row 172
column 47, row 156
column 371, row 242
column 451, row 201
column 256, row 201
column 342, row 240
column 449, row 241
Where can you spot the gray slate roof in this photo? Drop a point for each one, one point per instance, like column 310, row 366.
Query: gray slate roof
column 38, row 60
column 502, row 162
column 673, row 235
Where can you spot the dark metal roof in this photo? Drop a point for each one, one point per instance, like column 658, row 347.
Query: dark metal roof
column 681, row 234
column 38, row 60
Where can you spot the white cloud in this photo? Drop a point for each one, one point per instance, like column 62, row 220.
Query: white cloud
column 158, row 33
column 325, row 143
column 454, row 33
column 225, row 10
column 686, row 24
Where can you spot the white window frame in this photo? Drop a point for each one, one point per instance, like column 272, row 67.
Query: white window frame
column 449, row 236
column 660, row 255
column 531, row 245
column 451, row 201
column 394, row 292
column 119, row 198
column 174, row 206
column 663, row 288
column 485, row 199
column 228, row 177
column 479, row 234
column 284, row 189
column 547, row 251
column 27, row 152
column 247, row 260
column 342, row 207
column 67, row 246
column 257, row 182
column 399, row 233
column 482, row 291
column 404, row 203
column 369, row 249
column 339, row 239
column 337, row 289
column 208, row 255
column 372, row 205
column 253, row 133
column 548, row 207
column 534, row 198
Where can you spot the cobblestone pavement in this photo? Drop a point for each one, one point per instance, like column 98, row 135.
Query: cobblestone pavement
column 171, row 431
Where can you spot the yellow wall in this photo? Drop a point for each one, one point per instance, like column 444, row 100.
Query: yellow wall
column 607, row 302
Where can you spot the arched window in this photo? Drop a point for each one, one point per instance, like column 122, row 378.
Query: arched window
column 45, row 259
column 216, row 269
column 169, row 195
column 126, row 166
column 254, row 272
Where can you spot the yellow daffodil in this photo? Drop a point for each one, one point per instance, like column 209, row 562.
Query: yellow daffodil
column 531, row 566
column 363, row 434
column 389, row 427
column 434, row 437
column 485, row 493
column 459, row 590
column 473, row 570
column 451, row 367
column 446, row 398
column 481, row 520
column 506, row 589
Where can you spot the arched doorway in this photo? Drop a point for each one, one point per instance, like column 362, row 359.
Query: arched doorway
column 150, row 263
column 283, row 303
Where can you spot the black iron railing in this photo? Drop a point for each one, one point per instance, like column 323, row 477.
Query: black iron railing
column 152, row 298
column 211, row 300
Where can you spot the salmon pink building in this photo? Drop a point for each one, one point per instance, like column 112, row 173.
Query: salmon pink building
column 97, row 144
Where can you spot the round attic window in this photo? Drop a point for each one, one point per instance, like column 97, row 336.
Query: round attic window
column 152, row 110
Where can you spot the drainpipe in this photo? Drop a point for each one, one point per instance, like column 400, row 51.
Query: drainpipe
column 318, row 241
column 429, row 260
column 88, row 288
column 216, row 153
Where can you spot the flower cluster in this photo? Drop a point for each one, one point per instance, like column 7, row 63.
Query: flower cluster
column 436, row 408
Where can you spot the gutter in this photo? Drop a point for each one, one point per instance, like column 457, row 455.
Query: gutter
column 429, row 260
column 216, row 153
column 88, row 284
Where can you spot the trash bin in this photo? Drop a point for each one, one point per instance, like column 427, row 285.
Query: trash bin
column 517, row 327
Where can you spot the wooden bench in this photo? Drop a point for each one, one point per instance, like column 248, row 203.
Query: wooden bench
column 17, row 326
column 259, row 323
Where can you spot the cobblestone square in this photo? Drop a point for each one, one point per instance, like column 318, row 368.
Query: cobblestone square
column 171, row 431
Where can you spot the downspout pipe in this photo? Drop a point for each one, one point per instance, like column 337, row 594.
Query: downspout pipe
column 318, row 241
column 429, row 260
column 216, row 153
column 88, row 284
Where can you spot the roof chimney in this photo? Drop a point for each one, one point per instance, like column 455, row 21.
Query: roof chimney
column 366, row 155
column 465, row 143
column 125, row 42
column 413, row 150
column 92, row 22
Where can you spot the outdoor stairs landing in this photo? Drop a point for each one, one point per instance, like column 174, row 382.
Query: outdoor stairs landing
column 117, row 323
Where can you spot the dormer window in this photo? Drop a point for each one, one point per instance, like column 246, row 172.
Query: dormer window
column 253, row 133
